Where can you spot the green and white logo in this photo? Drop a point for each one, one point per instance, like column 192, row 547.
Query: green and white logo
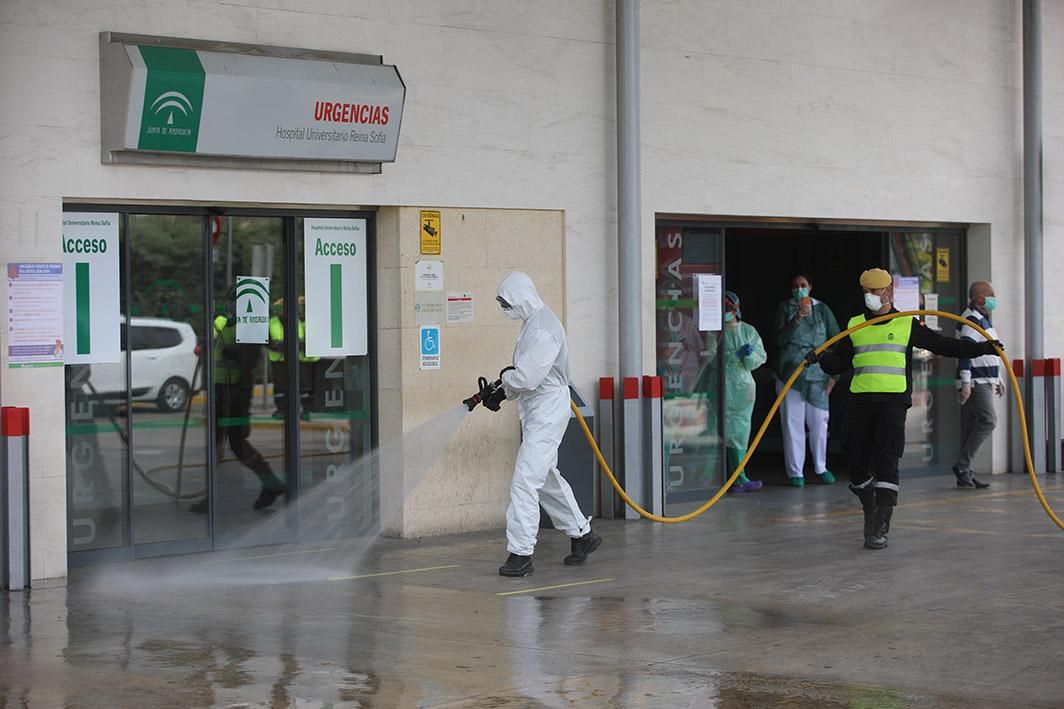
column 252, row 310
column 173, row 99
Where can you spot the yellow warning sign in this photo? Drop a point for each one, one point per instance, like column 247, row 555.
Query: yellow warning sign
column 942, row 265
column 430, row 233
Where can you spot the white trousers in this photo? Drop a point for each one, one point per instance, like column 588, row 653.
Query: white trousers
column 795, row 417
column 537, row 482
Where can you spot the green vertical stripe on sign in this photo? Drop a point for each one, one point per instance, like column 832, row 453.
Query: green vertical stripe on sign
column 173, row 99
column 81, row 289
column 336, row 304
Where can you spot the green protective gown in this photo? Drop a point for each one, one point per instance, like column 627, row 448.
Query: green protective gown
column 740, row 391
column 795, row 339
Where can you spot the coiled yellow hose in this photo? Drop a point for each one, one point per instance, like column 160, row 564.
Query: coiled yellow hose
column 779, row 399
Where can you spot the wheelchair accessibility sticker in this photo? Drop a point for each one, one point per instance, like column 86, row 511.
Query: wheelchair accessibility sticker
column 430, row 347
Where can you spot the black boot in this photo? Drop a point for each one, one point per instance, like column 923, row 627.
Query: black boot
column 581, row 547
column 516, row 565
column 878, row 538
column 271, row 490
column 867, row 496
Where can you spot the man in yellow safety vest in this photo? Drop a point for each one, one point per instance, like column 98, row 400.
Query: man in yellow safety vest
column 278, row 367
column 880, row 356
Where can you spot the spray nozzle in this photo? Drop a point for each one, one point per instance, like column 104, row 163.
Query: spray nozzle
column 491, row 394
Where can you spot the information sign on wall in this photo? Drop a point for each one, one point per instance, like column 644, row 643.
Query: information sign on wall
column 246, row 101
column 431, row 233
column 34, row 315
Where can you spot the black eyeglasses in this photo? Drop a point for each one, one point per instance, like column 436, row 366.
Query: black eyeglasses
column 503, row 303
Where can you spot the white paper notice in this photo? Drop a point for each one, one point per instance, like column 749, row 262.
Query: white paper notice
column 907, row 293
column 459, row 307
column 709, row 290
column 429, row 275
column 931, row 303
column 34, row 315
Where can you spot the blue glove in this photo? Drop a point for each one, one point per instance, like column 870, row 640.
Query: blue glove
column 745, row 351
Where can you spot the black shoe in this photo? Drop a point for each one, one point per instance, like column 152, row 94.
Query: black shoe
column 878, row 538
column 267, row 496
column 979, row 485
column 867, row 496
column 581, row 547
column 869, row 520
column 516, row 565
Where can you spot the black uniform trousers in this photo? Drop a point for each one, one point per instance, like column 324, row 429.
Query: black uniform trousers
column 874, row 435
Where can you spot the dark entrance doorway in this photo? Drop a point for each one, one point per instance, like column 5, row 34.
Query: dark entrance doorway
column 759, row 266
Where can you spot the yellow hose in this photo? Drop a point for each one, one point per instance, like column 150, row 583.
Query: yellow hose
column 775, row 406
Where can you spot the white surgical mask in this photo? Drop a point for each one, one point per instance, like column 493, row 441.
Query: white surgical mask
column 800, row 293
column 873, row 302
column 512, row 314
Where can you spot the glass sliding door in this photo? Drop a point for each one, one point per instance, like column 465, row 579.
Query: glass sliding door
column 335, row 433
column 216, row 419
column 162, row 337
column 250, row 482
column 931, row 264
column 688, row 363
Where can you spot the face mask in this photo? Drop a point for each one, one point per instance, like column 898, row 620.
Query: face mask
column 873, row 302
column 729, row 316
column 800, row 293
column 990, row 304
column 512, row 314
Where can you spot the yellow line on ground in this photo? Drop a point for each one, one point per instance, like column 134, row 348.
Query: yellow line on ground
column 393, row 573
column 267, row 556
column 551, row 588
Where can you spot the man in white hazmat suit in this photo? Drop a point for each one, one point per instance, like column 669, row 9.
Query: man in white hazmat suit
column 539, row 382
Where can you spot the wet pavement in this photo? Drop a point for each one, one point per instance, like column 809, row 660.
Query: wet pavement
column 767, row 600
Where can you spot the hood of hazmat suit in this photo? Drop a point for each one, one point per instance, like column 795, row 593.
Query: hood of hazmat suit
column 539, row 383
column 740, row 390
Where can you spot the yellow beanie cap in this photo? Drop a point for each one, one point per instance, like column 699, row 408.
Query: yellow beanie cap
column 875, row 278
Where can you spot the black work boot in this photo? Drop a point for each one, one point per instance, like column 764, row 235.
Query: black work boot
column 878, row 538
column 516, row 565
column 867, row 496
column 268, row 494
column 581, row 547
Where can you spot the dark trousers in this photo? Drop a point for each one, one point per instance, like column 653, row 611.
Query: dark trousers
column 279, row 372
column 874, row 437
column 233, row 409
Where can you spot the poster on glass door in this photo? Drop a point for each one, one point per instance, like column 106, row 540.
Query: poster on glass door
column 92, row 311
column 334, row 276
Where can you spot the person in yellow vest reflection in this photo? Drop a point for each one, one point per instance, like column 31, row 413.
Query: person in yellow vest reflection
column 234, row 370
column 278, row 368
column 880, row 396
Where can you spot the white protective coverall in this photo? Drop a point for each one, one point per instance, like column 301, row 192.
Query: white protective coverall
column 539, row 384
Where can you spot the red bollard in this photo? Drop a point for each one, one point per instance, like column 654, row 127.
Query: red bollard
column 15, row 480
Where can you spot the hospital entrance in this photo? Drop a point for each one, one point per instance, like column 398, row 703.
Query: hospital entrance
column 757, row 261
